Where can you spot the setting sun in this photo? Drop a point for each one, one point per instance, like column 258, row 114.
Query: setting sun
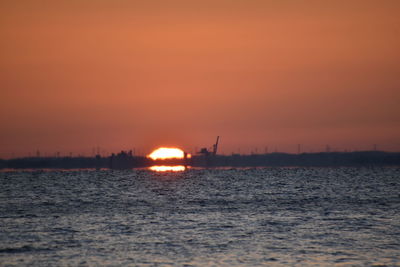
column 167, row 153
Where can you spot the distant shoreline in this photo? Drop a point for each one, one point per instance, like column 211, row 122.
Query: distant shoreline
column 122, row 161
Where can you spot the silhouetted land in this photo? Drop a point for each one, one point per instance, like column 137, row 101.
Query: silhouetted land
column 125, row 160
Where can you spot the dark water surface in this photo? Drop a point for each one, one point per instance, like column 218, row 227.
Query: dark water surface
column 200, row 217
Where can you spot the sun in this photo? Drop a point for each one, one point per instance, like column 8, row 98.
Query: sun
column 167, row 153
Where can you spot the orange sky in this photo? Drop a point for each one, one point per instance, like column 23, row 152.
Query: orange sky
column 123, row 74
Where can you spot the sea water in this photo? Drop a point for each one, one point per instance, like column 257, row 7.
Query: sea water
column 201, row 217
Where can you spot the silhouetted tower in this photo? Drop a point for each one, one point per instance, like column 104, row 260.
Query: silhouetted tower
column 215, row 146
column 298, row 149
column 214, row 151
column 375, row 147
column 328, row 149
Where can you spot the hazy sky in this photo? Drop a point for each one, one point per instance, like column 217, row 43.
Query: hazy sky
column 124, row 74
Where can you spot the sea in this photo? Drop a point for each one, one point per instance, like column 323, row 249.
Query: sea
column 201, row 217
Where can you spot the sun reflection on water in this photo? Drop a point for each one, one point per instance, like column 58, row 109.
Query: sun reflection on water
column 177, row 168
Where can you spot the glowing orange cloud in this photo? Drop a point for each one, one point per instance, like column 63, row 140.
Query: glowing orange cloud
column 168, row 168
column 167, row 153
